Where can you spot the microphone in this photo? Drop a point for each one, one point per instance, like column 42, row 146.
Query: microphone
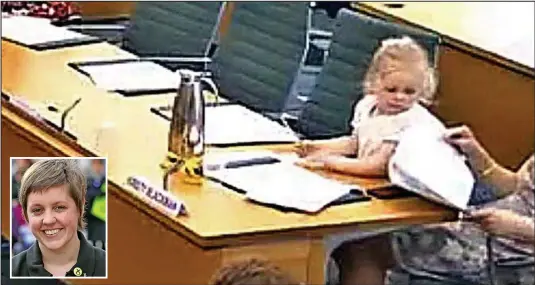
column 66, row 112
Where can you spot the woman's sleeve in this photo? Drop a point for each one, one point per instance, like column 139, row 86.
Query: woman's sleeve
column 526, row 175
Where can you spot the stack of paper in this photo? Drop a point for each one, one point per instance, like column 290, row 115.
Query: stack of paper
column 232, row 124
column 129, row 75
column 39, row 33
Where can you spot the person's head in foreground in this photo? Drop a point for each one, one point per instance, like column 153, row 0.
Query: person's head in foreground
column 52, row 196
column 252, row 271
column 399, row 75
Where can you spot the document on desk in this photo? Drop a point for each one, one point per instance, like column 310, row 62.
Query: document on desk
column 232, row 124
column 425, row 164
column 40, row 34
column 235, row 124
column 128, row 75
column 276, row 180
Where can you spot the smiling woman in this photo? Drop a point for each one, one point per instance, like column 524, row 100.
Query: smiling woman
column 52, row 197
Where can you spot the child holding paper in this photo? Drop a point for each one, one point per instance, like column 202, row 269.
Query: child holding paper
column 398, row 79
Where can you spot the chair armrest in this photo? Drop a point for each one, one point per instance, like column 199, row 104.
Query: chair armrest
column 320, row 34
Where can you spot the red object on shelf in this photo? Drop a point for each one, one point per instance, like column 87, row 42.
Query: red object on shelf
column 60, row 11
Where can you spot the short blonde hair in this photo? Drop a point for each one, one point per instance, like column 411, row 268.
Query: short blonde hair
column 251, row 271
column 407, row 53
column 45, row 174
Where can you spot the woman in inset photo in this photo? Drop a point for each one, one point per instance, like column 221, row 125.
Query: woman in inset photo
column 52, row 195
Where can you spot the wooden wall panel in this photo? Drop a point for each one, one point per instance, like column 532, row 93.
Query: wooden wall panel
column 498, row 103
column 106, row 9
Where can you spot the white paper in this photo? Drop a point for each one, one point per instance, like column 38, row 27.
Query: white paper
column 283, row 184
column 31, row 30
column 424, row 163
column 227, row 124
column 132, row 76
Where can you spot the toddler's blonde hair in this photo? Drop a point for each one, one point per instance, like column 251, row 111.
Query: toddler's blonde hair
column 402, row 53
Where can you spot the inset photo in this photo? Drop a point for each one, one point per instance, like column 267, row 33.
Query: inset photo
column 58, row 217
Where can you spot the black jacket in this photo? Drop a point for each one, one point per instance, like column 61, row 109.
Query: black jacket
column 91, row 262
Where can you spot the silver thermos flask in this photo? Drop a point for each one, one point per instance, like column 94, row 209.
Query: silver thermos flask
column 187, row 132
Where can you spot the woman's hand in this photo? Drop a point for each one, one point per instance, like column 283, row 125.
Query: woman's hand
column 463, row 138
column 503, row 223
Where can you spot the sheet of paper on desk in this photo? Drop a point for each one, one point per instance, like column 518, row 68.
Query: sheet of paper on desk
column 131, row 76
column 32, row 30
column 284, row 184
column 424, row 163
column 228, row 124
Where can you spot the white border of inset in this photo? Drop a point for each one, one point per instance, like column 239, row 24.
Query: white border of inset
column 11, row 217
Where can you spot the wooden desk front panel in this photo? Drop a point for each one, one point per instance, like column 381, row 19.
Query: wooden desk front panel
column 143, row 251
column 18, row 145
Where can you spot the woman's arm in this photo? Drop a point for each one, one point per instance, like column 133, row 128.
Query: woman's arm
column 504, row 180
column 527, row 229
column 505, row 223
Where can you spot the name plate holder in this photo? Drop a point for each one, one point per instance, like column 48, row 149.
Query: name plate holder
column 156, row 197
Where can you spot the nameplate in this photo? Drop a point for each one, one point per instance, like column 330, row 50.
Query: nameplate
column 26, row 107
column 156, row 197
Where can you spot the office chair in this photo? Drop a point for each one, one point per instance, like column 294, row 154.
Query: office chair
column 319, row 33
column 171, row 29
column 174, row 34
column 338, row 88
column 256, row 62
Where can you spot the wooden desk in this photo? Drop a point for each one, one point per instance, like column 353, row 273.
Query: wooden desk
column 221, row 226
column 502, row 31
column 485, row 65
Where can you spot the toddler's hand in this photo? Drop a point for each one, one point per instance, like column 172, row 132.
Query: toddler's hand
column 311, row 164
column 305, row 148
column 314, row 162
